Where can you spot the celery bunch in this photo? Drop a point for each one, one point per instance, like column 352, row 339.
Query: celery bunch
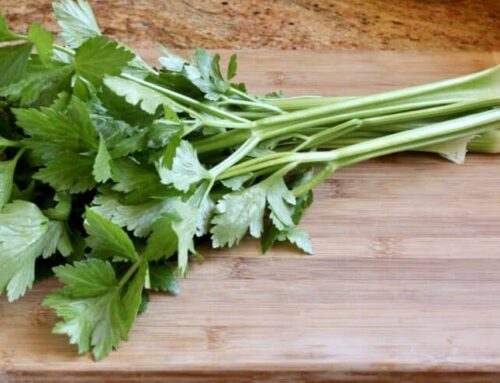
column 113, row 171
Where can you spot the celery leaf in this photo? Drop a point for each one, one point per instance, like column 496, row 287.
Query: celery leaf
column 99, row 57
column 96, row 310
column 13, row 60
column 22, row 232
column 76, row 20
column 107, row 239
column 42, row 39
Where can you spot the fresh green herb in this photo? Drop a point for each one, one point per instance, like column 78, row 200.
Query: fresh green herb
column 113, row 172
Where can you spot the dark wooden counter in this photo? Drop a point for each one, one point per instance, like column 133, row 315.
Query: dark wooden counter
column 289, row 24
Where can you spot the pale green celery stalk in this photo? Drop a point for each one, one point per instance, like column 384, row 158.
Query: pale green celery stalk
column 185, row 100
column 380, row 119
column 453, row 150
column 250, row 101
column 329, row 134
column 482, row 85
column 318, row 178
column 400, row 111
column 251, row 115
column 360, row 133
column 255, row 105
column 416, row 138
column 408, row 140
column 488, row 142
column 326, row 135
column 231, row 138
column 485, row 84
column 430, row 113
column 290, row 104
column 335, row 143
column 257, row 101
column 406, row 120
column 234, row 158
column 344, row 141
column 398, row 127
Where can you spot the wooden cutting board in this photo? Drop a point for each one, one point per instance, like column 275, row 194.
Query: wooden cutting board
column 404, row 286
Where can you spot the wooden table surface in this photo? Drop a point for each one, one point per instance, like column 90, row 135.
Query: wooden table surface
column 404, row 286
column 458, row 25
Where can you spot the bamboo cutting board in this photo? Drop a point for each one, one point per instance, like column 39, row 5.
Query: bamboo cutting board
column 404, row 286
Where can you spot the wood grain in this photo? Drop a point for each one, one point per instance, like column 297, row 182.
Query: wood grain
column 458, row 25
column 404, row 286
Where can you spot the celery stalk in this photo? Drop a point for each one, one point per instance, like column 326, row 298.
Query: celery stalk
column 488, row 142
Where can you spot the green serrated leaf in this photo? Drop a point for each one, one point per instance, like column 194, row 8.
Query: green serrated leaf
column 102, row 164
column 184, row 226
column 280, row 199
column 269, row 238
column 206, row 75
column 118, row 108
column 137, row 94
column 174, row 142
column 240, row 211
column 87, row 278
column 143, row 306
column 132, row 298
column 40, row 84
column 297, row 237
column 302, row 203
column 236, row 213
column 76, row 20
column 236, row 183
column 57, row 239
column 79, row 112
column 206, row 213
column 13, row 60
column 107, row 239
column 204, row 85
column 162, row 243
column 232, row 67
column 98, row 57
column 81, row 88
column 22, row 231
column 162, row 132
column 121, row 138
column 186, row 168
column 172, row 62
column 178, row 82
column 137, row 218
column 221, row 85
column 42, row 39
column 133, row 176
column 97, row 311
column 53, row 132
column 70, row 172
column 61, row 102
column 65, row 142
column 62, row 209
column 163, row 277
column 203, row 61
column 7, row 178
